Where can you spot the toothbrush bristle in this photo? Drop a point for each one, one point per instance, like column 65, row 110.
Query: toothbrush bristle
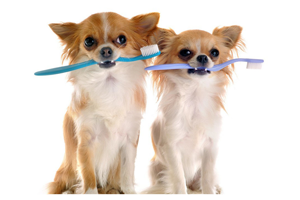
column 149, row 50
column 254, row 65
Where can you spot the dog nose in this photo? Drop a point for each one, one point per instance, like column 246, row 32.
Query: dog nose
column 106, row 52
column 202, row 59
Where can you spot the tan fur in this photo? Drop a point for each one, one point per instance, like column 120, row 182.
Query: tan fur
column 154, row 148
column 140, row 97
column 170, row 44
column 113, row 179
column 139, row 32
column 66, row 176
column 189, row 110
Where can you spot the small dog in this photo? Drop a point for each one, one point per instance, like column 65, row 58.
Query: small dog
column 186, row 131
column 101, row 126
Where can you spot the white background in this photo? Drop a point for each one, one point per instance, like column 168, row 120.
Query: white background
column 259, row 147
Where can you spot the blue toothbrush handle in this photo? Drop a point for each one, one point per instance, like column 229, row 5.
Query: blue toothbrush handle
column 59, row 70
column 64, row 69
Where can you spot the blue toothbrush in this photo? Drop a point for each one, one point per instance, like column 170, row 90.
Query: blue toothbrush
column 147, row 52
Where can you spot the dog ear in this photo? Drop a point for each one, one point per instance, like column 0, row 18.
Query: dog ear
column 146, row 22
column 165, row 37
column 231, row 35
column 65, row 31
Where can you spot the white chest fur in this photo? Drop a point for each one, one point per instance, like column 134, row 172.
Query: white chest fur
column 193, row 105
column 190, row 117
column 111, row 118
column 110, row 91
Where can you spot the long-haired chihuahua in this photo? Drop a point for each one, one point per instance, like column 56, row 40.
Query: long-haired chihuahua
column 101, row 125
column 186, row 131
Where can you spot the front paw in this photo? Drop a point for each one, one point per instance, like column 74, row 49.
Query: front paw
column 128, row 190
column 130, row 193
column 219, row 190
column 215, row 190
column 182, row 193
column 113, row 191
column 92, row 191
column 68, row 192
column 208, row 190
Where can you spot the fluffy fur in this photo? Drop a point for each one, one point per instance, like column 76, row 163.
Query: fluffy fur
column 186, row 131
column 101, row 126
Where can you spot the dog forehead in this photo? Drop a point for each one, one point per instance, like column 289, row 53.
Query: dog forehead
column 196, row 39
column 99, row 19
column 102, row 25
column 115, row 21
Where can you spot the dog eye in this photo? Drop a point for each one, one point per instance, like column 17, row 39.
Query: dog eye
column 88, row 42
column 121, row 39
column 185, row 52
column 214, row 53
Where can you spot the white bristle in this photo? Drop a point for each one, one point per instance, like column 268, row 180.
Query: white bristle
column 149, row 50
column 254, row 65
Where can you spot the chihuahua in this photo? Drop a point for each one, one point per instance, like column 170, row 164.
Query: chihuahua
column 186, row 131
column 101, row 125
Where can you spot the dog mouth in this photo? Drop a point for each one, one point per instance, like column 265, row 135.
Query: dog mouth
column 198, row 71
column 107, row 64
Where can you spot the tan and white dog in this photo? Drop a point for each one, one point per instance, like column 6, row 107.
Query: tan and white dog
column 102, row 123
column 186, row 131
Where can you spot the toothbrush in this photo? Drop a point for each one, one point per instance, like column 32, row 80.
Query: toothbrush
column 252, row 64
column 147, row 52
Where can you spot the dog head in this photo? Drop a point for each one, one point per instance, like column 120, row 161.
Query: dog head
column 104, row 37
column 198, row 49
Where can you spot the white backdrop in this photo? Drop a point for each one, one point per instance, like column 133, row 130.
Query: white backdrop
column 259, row 147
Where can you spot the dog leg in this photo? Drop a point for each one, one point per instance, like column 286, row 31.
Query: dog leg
column 208, row 168
column 128, row 154
column 175, row 168
column 86, row 164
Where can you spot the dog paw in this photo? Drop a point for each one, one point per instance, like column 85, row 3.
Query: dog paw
column 68, row 192
column 92, row 191
column 189, row 191
column 181, row 193
column 113, row 191
column 130, row 193
column 219, row 190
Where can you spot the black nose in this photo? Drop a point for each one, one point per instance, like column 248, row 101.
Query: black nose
column 106, row 52
column 202, row 59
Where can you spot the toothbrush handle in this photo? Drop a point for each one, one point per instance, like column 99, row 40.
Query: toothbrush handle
column 64, row 69
column 169, row 66
column 214, row 68
column 225, row 64
column 59, row 70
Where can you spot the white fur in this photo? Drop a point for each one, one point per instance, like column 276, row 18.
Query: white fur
column 186, row 134
column 92, row 191
column 106, row 26
column 198, row 45
column 112, row 116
